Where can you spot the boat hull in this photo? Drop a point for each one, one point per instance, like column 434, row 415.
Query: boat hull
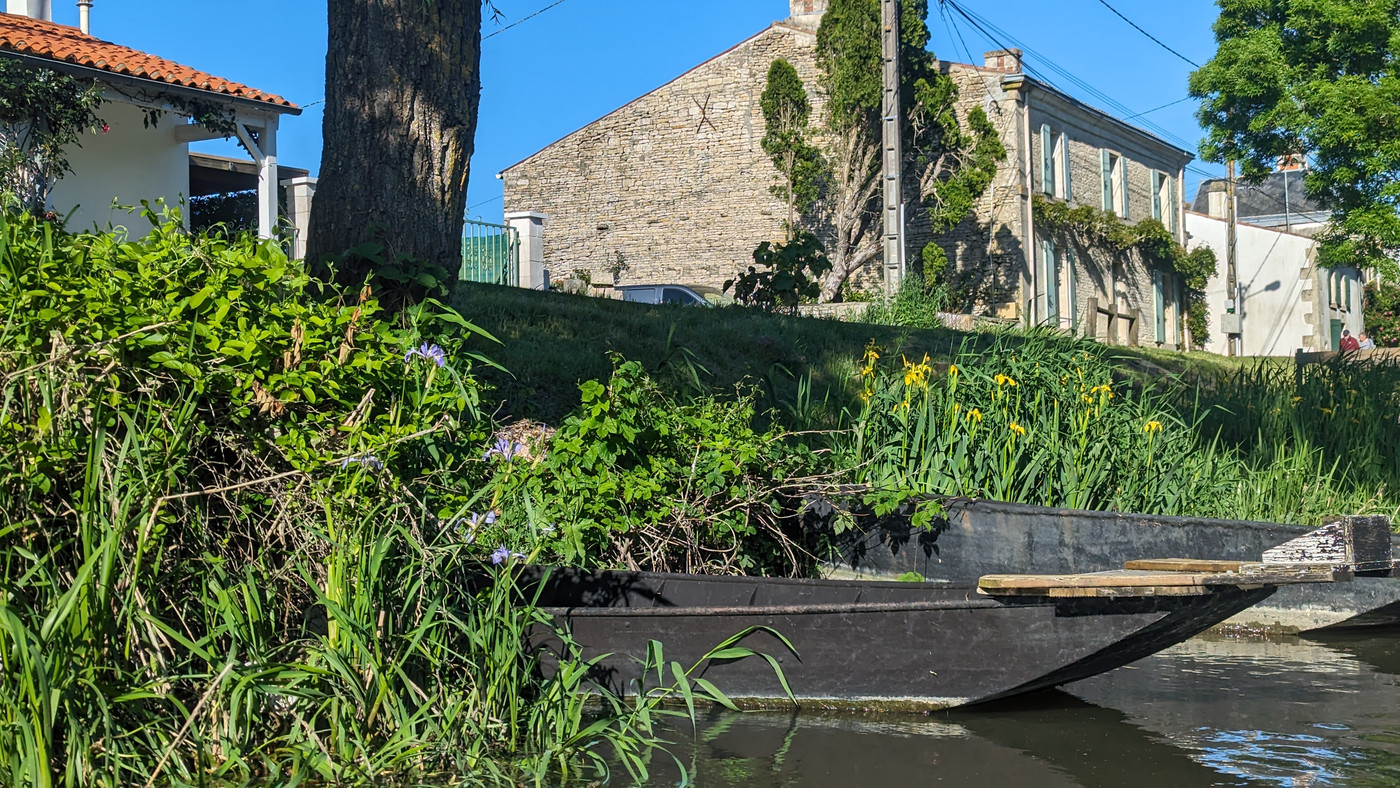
column 867, row 644
column 980, row 537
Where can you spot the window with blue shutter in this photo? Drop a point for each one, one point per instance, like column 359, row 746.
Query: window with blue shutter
column 1047, row 160
column 1122, row 184
column 1173, row 205
column 1070, row 286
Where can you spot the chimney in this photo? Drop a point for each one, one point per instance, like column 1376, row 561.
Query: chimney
column 34, row 9
column 807, row 14
column 1291, row 163
column 1008, row 60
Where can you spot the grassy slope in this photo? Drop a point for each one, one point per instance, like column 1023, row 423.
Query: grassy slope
column 552, row 342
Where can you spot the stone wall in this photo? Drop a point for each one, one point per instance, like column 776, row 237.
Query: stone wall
column 676, row 182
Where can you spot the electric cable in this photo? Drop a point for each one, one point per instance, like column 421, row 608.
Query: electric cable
column 1155, row 40
column 522, row 20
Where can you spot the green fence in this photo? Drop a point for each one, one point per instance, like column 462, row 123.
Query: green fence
column 490, row 254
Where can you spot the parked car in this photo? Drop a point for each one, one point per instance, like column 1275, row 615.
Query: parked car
column 684, row 295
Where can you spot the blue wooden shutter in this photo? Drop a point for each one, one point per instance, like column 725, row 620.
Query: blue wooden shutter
column 1173, row 204
column 1064, row 163
column 1123, row 182
column 1157, row 195
column 1160, row 299
column 1070, row 286
column 1106, row 167
column 1047, row 160
column 1052, row 286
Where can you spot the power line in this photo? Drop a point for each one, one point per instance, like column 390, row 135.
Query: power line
column 523, row 19
column 1156, row 40
column 485, row 202
column 1154, row 109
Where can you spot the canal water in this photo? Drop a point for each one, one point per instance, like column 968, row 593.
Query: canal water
column 1215, row 711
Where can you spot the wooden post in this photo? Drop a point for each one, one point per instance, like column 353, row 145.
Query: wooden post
column 1232, row 287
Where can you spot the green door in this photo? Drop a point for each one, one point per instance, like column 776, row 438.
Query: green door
column 1336, row 335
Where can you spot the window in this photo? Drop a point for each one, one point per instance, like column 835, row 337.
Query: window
column 1072, row 302
column 1052, row 284
column 1062, row 163
column 1164, row 207
column 1157, row 195
column 1115, row 197
column 641, row 295
column 674, row 295
column 1047, row 161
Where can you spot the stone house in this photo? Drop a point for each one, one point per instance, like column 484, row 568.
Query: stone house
column 677, row 184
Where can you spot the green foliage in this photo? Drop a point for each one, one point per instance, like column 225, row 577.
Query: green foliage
column 952, row 161
column 916, row 305
column 1313, row 78
column 1087, row 225
column 220, row 562
column 791, row 273
column 637, row 478
column 786, row 114
column 42, row 114
column 1382, row 301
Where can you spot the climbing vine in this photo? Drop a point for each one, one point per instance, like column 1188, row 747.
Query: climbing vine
column 42, row 114
column 1150, row 239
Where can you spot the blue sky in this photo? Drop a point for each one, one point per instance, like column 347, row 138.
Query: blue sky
column 584, row 58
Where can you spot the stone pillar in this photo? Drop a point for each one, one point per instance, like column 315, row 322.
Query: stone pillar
column 300, row 192
column 530, row 226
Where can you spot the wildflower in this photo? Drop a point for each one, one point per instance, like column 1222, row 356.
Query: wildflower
column 486, row 518
column 502, row 554
column 1002, row 380
column 106, row 128
column 1151, row 427
column 867, row 394
column 1017, row 428
column 952, row 369
column 956, row 407
column 368, row 460
column 974, row 415
column 1296, row 400
column 917, row 375
column 506, row 449
column 1328, row 411
column 432, row 353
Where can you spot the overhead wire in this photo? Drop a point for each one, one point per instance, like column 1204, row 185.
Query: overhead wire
column 522, row 20
column 1155, row 40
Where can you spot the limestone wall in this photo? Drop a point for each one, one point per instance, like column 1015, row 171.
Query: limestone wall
column 676, row 181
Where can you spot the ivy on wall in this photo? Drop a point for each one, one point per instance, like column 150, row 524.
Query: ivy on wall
column 1151, row 240
column 43, row 113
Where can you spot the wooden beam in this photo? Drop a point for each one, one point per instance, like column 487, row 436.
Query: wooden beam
column 193, row 132
column 1182, row 565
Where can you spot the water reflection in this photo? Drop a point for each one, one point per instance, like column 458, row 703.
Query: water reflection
column 1210, row 712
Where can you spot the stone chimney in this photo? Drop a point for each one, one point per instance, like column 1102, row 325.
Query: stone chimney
column 1008, row 60
column 806, row 14
column 34, row 9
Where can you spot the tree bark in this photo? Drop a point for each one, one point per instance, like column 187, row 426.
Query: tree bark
column 403, row 81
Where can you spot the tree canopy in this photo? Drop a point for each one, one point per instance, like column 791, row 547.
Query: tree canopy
column 1314, row 78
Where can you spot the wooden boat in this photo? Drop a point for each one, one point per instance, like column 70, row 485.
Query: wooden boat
column 977, row 537
column 897, row 644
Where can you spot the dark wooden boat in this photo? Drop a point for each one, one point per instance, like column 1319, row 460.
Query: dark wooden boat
column 895, row 644
column 977, row 537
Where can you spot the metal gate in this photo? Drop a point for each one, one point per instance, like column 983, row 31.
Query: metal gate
column 490, row 254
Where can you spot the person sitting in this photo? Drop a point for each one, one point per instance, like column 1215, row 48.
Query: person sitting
column 1348, row 343
column 1365, row 342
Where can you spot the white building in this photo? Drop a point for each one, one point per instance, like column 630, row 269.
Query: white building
column 131, row 160
column 1287, row 302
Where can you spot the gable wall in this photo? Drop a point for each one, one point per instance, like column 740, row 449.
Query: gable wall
column 676, row 181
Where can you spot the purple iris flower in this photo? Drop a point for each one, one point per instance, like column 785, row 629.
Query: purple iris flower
column 506, row 449
column 432, row 353
column 368, row 460
column 500, row 556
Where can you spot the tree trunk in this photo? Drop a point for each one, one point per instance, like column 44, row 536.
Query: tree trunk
column 403, row 81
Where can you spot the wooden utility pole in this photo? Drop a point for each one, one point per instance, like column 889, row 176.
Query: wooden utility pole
column 890, row 116
column 1232, row 287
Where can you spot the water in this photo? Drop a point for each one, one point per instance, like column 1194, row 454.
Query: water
column 1211, row 712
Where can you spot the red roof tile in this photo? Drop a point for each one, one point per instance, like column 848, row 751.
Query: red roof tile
column 25, row 36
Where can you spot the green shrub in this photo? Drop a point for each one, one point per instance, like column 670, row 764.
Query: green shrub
column 1382, row 301
column 916, row 305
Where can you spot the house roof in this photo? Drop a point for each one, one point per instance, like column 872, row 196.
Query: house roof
column 1278, row 193
column 37, row 39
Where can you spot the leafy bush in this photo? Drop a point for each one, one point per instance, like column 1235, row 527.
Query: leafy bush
column 221, row 561
column 916, row 305
column 1382, row 303
column 791, row 274
column 637, row 478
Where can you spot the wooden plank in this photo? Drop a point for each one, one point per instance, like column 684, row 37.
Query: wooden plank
column 1129, row 582
column 1123, row 578
column 1182, row 565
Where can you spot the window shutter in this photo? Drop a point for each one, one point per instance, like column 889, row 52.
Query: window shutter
column 1107, row 170
column 1064, row 160
column 1052, row 286
column 1123, row 182
column 1047, row 160
column 1070, row 286
column 1160, row 298
column 1173, row 205
column 1157, row 195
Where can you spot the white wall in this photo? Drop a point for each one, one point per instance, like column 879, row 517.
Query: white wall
column 1270, row 265
column 129, row 163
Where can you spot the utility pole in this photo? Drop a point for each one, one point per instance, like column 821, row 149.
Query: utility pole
column 1234, row 322
column 890, row 116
